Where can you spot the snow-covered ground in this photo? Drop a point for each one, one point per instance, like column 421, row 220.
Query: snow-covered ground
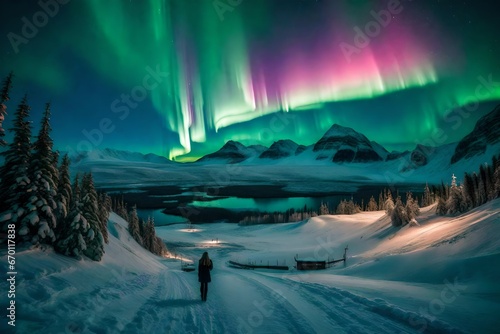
column 439, row 277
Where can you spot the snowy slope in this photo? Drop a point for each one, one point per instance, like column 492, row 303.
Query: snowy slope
column 395, row 281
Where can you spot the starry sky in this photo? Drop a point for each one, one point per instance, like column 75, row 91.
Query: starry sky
column 179, row 78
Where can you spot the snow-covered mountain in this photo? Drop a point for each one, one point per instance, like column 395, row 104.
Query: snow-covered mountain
column 233, row 152
column 108, row 154
column 485, row 133
column 343, row 144
column 339, row 144
column 282, row 149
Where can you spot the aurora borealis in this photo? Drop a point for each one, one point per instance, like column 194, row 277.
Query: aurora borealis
column 235, row 69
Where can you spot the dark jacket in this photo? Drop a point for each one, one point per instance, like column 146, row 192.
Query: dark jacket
column 204, row 272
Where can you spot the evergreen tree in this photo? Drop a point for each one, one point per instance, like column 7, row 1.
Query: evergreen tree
column 441, row 208
column 341, row 208
column 40, row 208
column 133, row 225
column 4, row 97
column 160, row 247
column 94, row 239
column 490, row 174
column 146, row 235
column 412, row 208
column 372, row 205
column 456, row 202
column 323, row 209
column 469, row 192
column 427, row 197
column 496, row 177
column 152, row 236
column 64, row 191
column 389, row 205
column 14, row 173
column 398, row 214
column 55, row 167
column 74, row 229
column 483, row 184
column 381, row 201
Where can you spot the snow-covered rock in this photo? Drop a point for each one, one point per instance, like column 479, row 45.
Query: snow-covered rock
column 485, row 133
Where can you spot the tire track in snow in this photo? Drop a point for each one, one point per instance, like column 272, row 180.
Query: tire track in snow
column 288, row 315
column 341, row 313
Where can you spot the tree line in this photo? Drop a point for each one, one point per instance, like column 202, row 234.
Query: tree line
column 475, row 190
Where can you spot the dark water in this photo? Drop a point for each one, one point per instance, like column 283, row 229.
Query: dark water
column 198, row 207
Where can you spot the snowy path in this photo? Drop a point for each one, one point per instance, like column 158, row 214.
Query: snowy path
column 242, row 301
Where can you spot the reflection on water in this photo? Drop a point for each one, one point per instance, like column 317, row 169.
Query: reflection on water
column 270, row 204
column 159, row 217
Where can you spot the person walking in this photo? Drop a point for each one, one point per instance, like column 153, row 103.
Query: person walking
column 204, row 267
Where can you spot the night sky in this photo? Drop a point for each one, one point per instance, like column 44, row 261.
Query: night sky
column 181, row 77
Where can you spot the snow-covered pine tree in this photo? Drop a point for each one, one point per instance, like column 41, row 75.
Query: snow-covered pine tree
column 64, row 192
column 133, row 225
column 389, row 205
column 323, row 209
column 456, row 202
column 381, row 201
column 4, row 97
column 441, row 208
column 152, row 236
column 341, row 207
column 372, row 205
column 73, row 229
column 14, row 173
column 160, row 247
column 146, row 234
column 40, row 218
column 351, row 207
column 94, row 238
column 411, row 207
column 398, row 214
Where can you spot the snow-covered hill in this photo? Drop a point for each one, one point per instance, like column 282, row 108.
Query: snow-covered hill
column 439, row 277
